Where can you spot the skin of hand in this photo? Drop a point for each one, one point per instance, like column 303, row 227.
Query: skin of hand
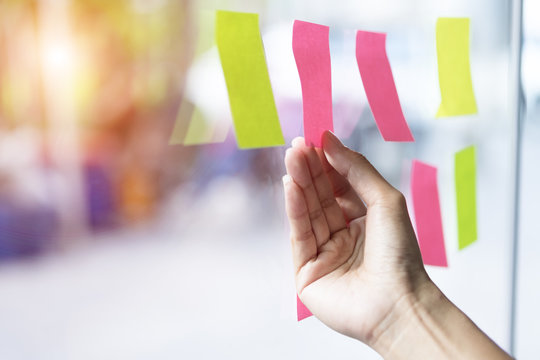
column 357, row 263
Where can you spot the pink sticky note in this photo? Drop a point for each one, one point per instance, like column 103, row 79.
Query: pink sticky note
column 380, row 88
column 311, row 48
column 302, row 311
column 427, row 213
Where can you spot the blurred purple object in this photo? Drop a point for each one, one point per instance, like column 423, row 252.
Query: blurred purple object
column 100, row 197
column 25, row 231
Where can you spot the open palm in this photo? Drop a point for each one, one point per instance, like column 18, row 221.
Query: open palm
column 355, row 253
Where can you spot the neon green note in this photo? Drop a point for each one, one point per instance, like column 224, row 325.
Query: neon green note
column 457, row 94
column 465, row 177
column 243, row 60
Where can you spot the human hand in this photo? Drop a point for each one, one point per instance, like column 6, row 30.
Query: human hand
column 357, row 262
column 355, row 252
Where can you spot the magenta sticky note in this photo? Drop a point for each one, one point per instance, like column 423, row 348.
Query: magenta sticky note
column 380, row 88
column 427, row 213
column 302, row 311
column 311, row 48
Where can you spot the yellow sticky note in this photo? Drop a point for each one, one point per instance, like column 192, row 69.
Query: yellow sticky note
column 199, row 130
column 181, row 124
column 465, row 177
column 457, row 94
column 243, row 60
column 205, row 21
column 193, row 128
column 202, row 131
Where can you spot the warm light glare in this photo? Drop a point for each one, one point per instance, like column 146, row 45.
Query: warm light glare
column 59, row 57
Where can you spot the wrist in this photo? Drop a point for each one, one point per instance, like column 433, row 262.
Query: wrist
column 416, row 323
column 424, row 324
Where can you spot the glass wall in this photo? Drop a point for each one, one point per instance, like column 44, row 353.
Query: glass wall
column 115, row 244
column 528, row 292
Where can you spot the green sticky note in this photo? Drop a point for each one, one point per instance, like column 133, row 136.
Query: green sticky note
column 241, row 51
column 457, row 94
column 465, row 177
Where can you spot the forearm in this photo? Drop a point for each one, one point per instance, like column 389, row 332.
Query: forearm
column 427, row 325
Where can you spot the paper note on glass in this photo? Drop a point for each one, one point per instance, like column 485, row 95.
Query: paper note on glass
column 183, row 118
column 241, row 51
column 311, row 48
column 380, row 88
column 427, row 213
column 465, row 177
column 193, row 128
column 302, row 311
column 457, row 94
column 202, row 131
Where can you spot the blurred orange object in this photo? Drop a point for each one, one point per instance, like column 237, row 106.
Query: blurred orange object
column 138, row 195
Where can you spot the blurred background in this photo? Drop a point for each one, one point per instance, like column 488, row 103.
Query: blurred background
column 115, row 244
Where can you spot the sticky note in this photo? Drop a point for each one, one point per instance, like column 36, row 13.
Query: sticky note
column 302, row 311
column 202, row 131
column 380, row 88
column 183, row 118
column 465, row 178
column 311, row 48
column 193, row 128
column 427, row 213
column 457, row 94
column 253, row 108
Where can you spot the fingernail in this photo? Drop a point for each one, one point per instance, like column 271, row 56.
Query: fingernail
column 288, row 151
column 330, row 140
column 297, row 141
column 286, row 179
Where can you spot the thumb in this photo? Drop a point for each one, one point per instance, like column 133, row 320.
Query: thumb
column 363, row 177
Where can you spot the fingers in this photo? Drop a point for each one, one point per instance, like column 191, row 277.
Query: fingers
column 363, row 177
column 346, row 197
column 304, row 244
column 298, row 169
column 332, row 210
column 349, row 201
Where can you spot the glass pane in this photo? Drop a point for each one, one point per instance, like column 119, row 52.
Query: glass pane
column 115, row 244
column 528, row 295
